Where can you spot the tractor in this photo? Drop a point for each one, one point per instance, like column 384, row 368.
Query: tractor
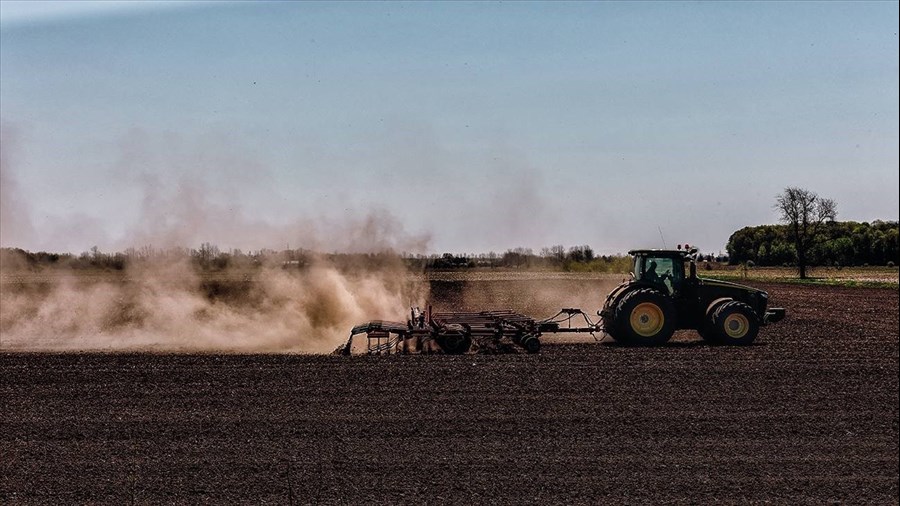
column 665, row 294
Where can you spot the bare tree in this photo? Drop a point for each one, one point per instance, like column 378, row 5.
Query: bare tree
column 804, row 212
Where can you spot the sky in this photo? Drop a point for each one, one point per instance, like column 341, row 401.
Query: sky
column 438, row 127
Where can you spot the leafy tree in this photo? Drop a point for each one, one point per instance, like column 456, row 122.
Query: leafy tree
column 892, row 245
column 581, row 254
column 783, row 253
column 839, row 251
column 837, row 243
column 804, row 213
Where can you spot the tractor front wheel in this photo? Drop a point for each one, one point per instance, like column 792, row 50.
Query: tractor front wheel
column 735, row 323
column 707, row 328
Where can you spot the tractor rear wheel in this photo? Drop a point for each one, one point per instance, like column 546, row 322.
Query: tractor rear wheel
column 616, row 335
column 644, row 317
column 735, row 323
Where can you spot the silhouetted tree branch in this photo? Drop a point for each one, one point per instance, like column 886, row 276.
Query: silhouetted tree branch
column 804, row 212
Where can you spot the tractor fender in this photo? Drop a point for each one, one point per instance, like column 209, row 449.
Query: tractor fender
column 612, row 299
column 621, row 291
column 616, row 296
column 711, row 308
column 613, row 296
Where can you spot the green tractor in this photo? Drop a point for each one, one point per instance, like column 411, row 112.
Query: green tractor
column 665, row 294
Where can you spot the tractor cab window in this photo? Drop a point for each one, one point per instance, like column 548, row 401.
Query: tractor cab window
column 662, row 271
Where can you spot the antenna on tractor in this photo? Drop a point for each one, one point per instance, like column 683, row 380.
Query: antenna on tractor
column 661, row 237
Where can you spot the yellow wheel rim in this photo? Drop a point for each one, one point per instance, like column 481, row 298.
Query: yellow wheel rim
column 736, row 325
column 647, row 319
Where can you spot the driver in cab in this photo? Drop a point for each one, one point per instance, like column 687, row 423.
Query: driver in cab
column 651, row 276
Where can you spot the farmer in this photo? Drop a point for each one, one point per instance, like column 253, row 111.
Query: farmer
column 650, row 274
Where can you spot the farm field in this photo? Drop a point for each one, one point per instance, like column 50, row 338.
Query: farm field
column 865, row 276
column 807, row 415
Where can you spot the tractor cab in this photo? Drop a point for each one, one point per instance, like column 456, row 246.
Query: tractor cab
column 664, row 269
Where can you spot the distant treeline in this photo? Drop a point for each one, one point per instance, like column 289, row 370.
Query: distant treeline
column 210, row 257
column 207, row 257
column 575, row 259
column 844, row 243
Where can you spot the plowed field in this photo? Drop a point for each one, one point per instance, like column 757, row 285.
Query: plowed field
column 807, row 415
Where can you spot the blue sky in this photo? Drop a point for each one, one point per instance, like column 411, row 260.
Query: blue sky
column 453, row 126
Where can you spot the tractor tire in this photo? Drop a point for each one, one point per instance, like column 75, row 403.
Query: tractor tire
column 735, row 323
column 707, row 328
column 615, row 334
column 644, row 317
column 609, row 329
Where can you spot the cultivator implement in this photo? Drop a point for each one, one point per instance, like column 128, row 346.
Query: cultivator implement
column 462, row 332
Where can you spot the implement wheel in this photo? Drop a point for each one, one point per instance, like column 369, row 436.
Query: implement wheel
column 735, row 323
column 644, row 317
column 454, row 342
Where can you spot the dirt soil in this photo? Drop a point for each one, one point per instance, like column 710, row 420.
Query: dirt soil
column 808, row 415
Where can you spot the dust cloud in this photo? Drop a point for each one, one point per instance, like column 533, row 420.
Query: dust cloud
column 167, row 303
column 168, row 306
column 15, row 219
column 537, row 294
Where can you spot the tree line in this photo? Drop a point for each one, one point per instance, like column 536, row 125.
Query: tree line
column 835, row 243
column 558, row 257
column 210, row 257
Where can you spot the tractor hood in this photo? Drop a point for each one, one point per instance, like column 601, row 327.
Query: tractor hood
column 727, row 285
